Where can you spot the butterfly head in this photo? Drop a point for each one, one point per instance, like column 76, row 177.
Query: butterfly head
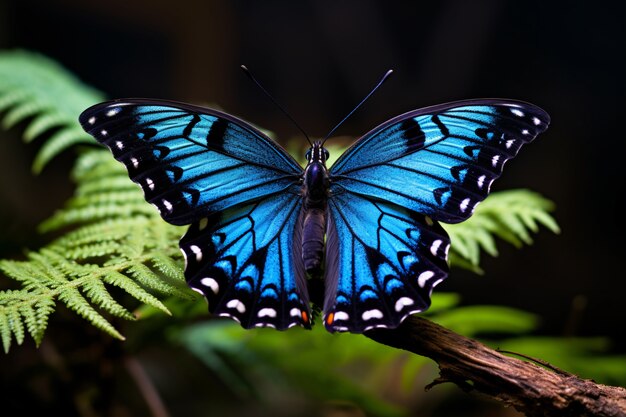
column 316, row 180
column 317, row 154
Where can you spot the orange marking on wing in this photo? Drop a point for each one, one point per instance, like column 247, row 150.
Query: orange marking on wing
column 330, row 318
column 305, row 316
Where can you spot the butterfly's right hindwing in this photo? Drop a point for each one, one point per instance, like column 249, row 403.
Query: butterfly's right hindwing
column 190, row 161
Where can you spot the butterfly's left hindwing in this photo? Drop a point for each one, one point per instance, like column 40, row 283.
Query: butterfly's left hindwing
column 190, row 161
column 244, row 260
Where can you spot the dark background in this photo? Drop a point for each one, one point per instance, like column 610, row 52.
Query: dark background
column 319, row 58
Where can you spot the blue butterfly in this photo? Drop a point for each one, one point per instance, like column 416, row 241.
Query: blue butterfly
column 261, row 225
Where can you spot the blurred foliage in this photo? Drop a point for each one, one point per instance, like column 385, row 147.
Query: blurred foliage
column 111, row 238
column 37, row 89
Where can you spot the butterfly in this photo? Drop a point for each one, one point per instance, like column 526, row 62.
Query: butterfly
column 261, row 225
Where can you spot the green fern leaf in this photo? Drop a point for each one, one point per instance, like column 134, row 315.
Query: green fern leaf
column 44, row 122
column 131, row 287
column 31, row 88
column 75, row 301
column 58, row 142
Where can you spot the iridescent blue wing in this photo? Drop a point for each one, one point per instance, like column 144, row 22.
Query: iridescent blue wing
column 439, row 162
column 247, row 263
column 382, row 263
column 237, row 187
column 190, row 161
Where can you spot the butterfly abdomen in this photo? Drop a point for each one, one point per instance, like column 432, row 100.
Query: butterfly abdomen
column 313, row 239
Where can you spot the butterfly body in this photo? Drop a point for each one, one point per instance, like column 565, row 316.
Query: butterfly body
column 261, row 225
column 316, row 186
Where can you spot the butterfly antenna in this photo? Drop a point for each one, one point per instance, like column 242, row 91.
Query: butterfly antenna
column 249, row 74
column 382, row 80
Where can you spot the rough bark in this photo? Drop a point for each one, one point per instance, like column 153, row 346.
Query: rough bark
column 532, row 389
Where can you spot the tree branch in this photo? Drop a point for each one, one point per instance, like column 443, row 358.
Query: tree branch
column 532, row 389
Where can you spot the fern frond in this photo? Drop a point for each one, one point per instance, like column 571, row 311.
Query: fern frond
column 36, row 89
column 117, row 240
column 510, row 215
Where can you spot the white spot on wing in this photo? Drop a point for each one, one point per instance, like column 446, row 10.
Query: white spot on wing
column 197, row 251
column 211, row 283
column 481, row 181
column 372, row 314
column 437, row 282
column 494, row 160
column 91, row 120
column 403, row 302
column 113, row 112
column 294, row 312
column 168, row 206
column 424, row 277
column 135, row 162
column 199, row 291
column 509, row 143
column 270, row 325
column 435, row 246
column 517, row 112
column 464, row 205
column 266, row 312
column 376, row 326
column 536, row 121
column 525, row 132
column 237, row 305
column 341, row 315
column 150, row 183
column 230, row 317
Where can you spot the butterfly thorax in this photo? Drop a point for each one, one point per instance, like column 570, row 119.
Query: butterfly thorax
column 315, row 192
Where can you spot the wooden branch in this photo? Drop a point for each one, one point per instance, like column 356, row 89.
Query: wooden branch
column 532, row 389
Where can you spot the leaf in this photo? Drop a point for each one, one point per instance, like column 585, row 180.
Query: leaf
column 113, row 238
column 475, row 320
column 586, row 357
column 39, row 92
